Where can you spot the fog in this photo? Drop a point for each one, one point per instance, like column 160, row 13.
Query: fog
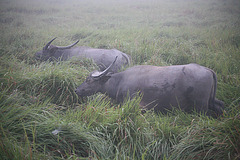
column 121, row 12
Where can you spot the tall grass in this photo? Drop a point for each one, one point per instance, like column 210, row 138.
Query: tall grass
column 41, row 117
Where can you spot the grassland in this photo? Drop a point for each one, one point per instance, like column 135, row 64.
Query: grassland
column 42, row 118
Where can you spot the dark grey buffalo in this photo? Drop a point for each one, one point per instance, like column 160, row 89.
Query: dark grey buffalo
column 102, row 57
column 187, row 87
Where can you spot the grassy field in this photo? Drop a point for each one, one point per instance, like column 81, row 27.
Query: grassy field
column 42, row 118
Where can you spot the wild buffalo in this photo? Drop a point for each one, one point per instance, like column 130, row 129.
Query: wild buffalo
column 102, row 57
column 187, row 87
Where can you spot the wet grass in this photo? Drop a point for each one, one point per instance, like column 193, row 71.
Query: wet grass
column 41, row 116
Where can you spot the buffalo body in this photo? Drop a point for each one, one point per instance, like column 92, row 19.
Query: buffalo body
column 188, row 87
column 102, row 57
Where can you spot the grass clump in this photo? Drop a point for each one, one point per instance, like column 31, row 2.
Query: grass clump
column 216, row 141
column 56, row 81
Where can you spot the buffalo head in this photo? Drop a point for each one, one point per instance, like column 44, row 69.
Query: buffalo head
column 94, row 83
column 48, row 51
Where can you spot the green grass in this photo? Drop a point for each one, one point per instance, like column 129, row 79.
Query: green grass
column 38, row 98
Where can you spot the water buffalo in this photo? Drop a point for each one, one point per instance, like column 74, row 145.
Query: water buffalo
column 186, row 87
column 102, row 57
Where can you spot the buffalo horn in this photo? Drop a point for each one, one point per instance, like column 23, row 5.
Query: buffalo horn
column 67, row 47
column 100, row 74
column 46, row 47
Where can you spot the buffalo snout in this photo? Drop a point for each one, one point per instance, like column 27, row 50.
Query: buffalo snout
column 78, row 91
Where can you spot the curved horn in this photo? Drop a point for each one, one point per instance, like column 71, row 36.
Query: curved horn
column 67, row 47
column 46, row 47
column 99, row 74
